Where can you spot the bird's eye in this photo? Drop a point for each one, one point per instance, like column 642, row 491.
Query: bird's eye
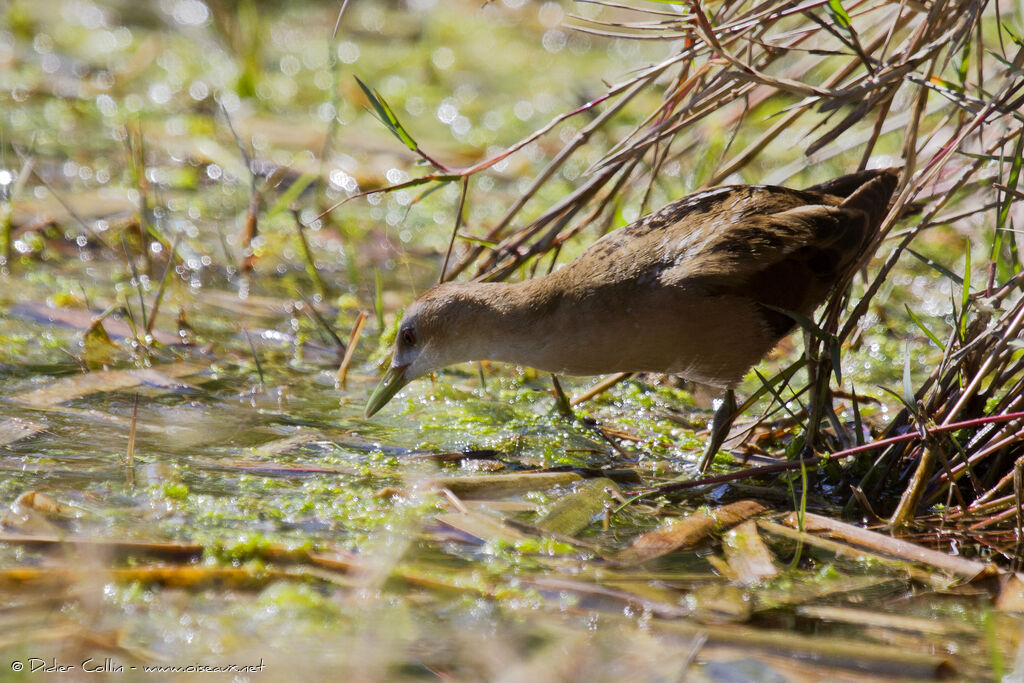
column 409, row 337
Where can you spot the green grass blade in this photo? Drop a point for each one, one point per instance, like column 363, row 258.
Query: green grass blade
column 1005, row 62
column 1011, row 183
column 928, row 333
column 386, row 116
column 965, row 297
column 378, row 298
column 783, row 376
column 858, row 423
column 844, row 24
column 908, row 386
column 839, row 16
column 937, row 267
column 836, row 351
column 292, row 193
column 964, row 65
column 767, row 386
column 1013, row 35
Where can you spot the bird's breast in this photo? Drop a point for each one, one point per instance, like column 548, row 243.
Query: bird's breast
column 713, row 339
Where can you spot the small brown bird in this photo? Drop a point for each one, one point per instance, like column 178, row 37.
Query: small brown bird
column 699, row 289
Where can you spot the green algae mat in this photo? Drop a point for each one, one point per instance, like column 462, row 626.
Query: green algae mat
column 211, row 217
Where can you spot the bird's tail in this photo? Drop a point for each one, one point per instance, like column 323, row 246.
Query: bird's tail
column 873, row 196
column 846, row 185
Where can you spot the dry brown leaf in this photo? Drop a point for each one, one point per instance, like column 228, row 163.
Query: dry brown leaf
column 749, row 558
column 688, row 530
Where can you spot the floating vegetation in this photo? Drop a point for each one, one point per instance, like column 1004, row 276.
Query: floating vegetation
column 212, row 215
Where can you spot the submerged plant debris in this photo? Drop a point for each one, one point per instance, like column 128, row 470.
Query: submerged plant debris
column 212, row 214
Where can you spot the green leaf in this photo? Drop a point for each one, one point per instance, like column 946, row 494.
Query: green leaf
column 842, row 20
column 911, row 409
column 956, row 314
column 1013, row 36
column 839, row 15
column 1005, row 62
column 783, row 376
column 808, row 325
column 802, row 512
column 942, row 83
column 489, row 244
column 924, row 329
column 939, row 268
column 1011, row 182
column 836, row 351
column 292, row 193
column 858, row 423
column 429, row 191
column 385, row 115
column 965, row 64
column 975, row 155
column 378, row 298
column 766, row 385
column 966, row 291
column 908, row 386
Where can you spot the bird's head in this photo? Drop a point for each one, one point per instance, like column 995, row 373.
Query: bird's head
column 437, row 330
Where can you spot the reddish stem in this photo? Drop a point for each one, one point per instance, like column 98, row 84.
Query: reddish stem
column 795, row 464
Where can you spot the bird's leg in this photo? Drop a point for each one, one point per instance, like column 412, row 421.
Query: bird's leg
column 720, row 424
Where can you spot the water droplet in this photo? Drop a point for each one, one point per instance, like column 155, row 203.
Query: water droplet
column 447, row 112
column 523, row 110
column 348, row 52
column 554, row 40
column 190, row 13
column 443, row 58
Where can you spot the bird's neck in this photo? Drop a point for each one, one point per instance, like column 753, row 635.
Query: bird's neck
column 512, row 322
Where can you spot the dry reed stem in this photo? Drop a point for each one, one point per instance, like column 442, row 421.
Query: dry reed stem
column 896, row 67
